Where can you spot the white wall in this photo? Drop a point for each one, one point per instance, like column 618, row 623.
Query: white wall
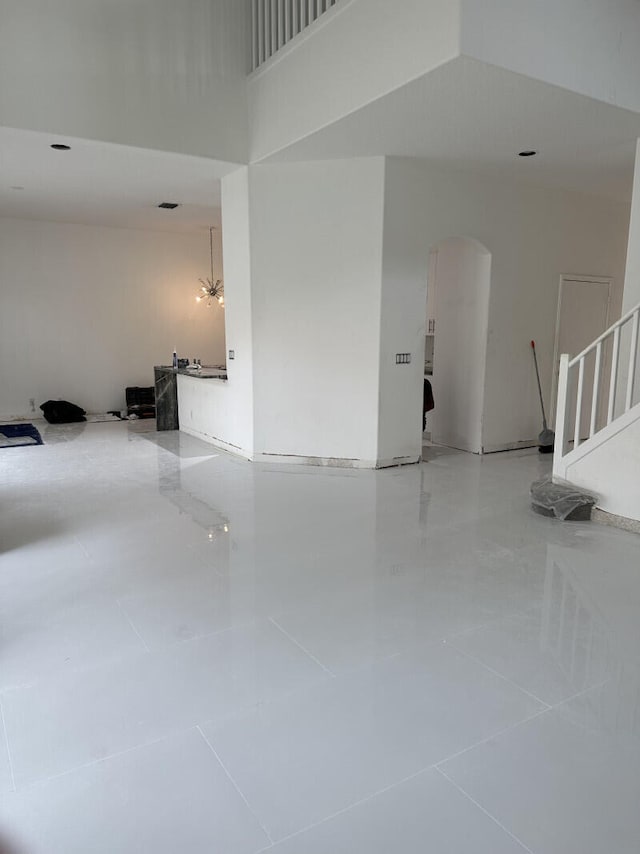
column 632, row 280
column 357, row 52
column 586, row 46
column 534, row 235
column 316, row 258
column 149, row 73
column 223, row 412
column 402, row 329
column 462, row 291
column 87, row 311
column 208, row 410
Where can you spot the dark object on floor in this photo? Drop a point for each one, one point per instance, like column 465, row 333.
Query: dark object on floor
column 547, row 438
column 19, row 435
column 561, row 501
column 427, row 402
column 141, row 401
column 62, row 412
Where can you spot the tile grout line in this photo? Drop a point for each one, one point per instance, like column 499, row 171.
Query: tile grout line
column 512, row 615
column 133, row 628
column 582, row 725
column 549, row 706
column 501, row 676
column 6, row 741
column 347, row 809
column 299, row 645
column 486, row 812
column 236, row 787
column 45, row 780
column 575, row 696
column 507, row 729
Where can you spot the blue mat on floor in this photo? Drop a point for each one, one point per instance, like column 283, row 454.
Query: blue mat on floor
column 19, row 435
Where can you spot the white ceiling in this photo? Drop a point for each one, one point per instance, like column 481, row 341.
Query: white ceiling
column 463, row 115
column 100, row 183
column 470, row 115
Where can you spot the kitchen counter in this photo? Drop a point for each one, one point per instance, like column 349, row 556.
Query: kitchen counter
column 205, row 373
column 166, row 382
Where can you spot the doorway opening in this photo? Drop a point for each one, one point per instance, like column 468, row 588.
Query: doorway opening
column 457, row 324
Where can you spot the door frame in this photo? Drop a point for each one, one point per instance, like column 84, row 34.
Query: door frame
column 568, row 277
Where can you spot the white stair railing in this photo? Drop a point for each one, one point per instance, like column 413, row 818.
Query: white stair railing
column 569, row 436
column 274, row 23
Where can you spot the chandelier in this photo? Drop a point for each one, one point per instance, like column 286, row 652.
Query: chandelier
column 212, row 289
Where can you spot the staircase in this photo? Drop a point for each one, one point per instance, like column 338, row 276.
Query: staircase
column 598, row 419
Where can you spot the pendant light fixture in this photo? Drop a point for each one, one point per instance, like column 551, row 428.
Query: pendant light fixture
column 212, row 289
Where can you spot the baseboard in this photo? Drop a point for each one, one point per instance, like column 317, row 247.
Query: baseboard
column 613, row 521
column 510, row 446
column 300, row 460
column 333, row 462
column 218, row 443
column 398, row 461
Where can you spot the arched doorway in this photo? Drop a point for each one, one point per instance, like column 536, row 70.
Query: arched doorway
column 458, row 288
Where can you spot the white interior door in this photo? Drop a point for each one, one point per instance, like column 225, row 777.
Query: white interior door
column 583, row 315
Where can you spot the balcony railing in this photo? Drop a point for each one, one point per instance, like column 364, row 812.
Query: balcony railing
column 274, row 23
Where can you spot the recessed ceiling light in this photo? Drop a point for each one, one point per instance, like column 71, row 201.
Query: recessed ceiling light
column 530, row 153
column 169, row 206
column 58, row 146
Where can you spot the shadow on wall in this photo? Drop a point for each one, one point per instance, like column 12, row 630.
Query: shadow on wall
column 458, row 290
column 7, row 847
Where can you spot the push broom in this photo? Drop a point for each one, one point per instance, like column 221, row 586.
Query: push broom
column 547, row 437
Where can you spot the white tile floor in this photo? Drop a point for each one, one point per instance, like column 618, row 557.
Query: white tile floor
column 202, row 655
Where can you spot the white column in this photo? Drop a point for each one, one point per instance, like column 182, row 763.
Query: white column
column 316, row 232
column 632, row 278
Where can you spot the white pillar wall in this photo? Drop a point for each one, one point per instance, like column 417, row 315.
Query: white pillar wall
column 316, row 261
column 631, row 296
column 321, row 293
column 632, row 278
column 223, row 413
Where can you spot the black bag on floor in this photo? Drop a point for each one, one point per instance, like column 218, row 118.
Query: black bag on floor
column 62, row 412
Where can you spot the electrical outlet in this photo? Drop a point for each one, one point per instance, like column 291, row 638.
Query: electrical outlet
column 32, row 403
column 232, row 354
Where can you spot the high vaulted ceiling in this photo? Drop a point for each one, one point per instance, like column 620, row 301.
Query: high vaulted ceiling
column 100, row 183
column 470, row 115
column 465, row 114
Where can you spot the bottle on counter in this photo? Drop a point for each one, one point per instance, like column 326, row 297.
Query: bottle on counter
column 175, row 359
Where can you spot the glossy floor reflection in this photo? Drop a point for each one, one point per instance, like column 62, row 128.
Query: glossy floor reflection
column 198, row 654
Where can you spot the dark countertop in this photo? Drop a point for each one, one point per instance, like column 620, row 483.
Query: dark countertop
column 205, row 373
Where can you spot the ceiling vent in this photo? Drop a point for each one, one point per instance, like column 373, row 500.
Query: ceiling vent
column 169, row 206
